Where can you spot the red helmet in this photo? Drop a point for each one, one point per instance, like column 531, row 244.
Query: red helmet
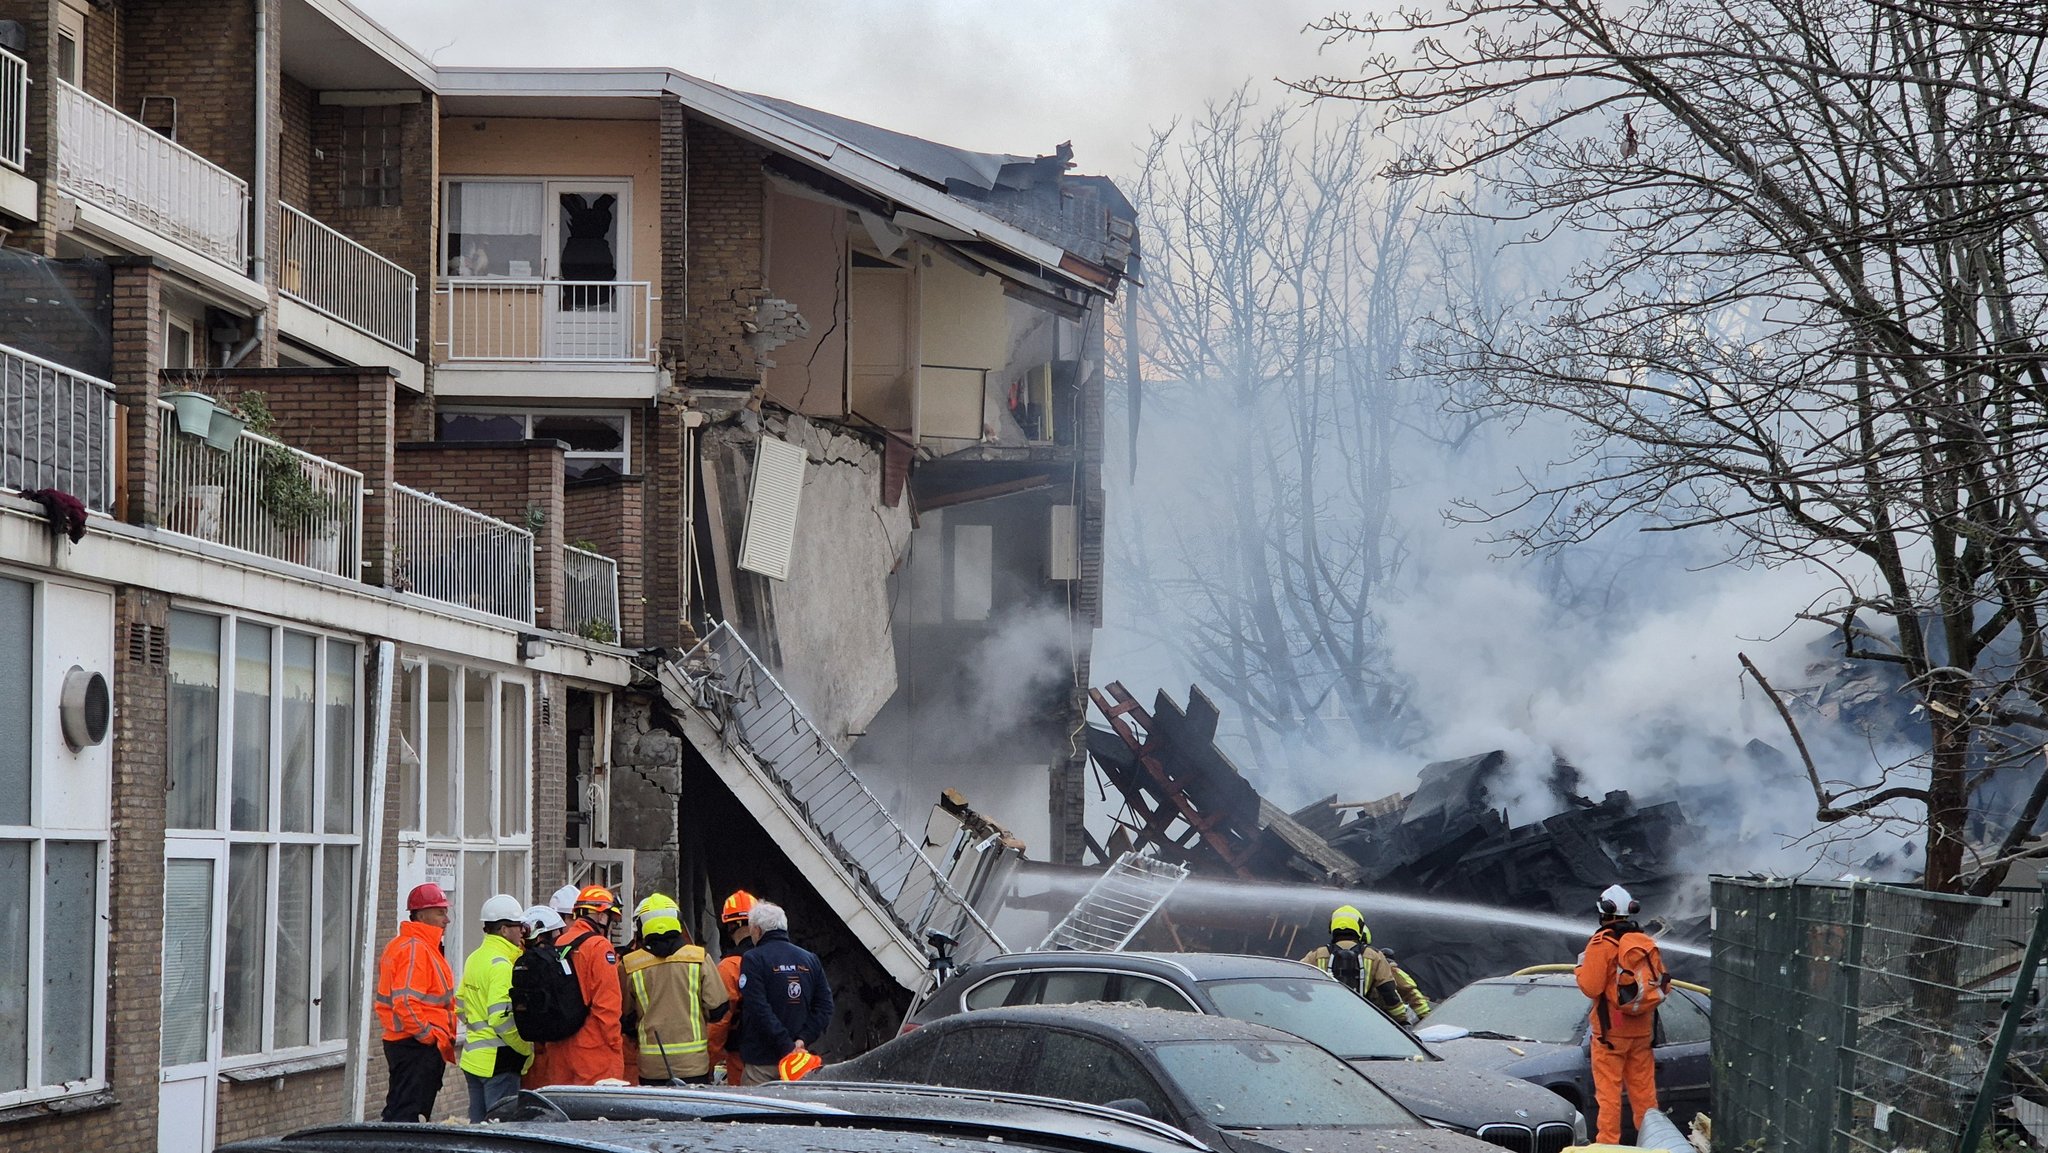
column 427, row 896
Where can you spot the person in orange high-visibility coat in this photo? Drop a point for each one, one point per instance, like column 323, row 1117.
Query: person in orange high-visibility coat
column 722, row 1033
column 416, row 1006
column 597, row 1051
column 1623, row 1057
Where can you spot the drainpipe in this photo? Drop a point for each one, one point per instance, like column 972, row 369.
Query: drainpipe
column 259, row 199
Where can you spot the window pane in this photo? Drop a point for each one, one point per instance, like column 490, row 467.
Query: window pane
column 1682, row 1021
column 440, row 741
column 295, row 790
column 493, row 228
column 17, row 640
column 1075, row 1068
column 14, row 964
column 512, row 876
column 410, row 701
column 481, row 426
column 294, row 945
column 476, row 754
column 513, row 771
column 70, row 915
column 337, row 947
column 583, row 432
column 248, row 884
column 194, row 721
column 340, row 762
column 250, row 805
column 188, row 952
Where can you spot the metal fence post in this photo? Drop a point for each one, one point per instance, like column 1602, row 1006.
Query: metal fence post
column 1848, row 969
column 2022, row 988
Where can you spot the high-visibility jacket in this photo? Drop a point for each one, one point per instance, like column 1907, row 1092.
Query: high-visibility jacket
column 723, row 1033
column 483, row 1003
column 416, row 989
column 1383, row 985
column 1595, row 975
column 672, row 995
column 597, row 1050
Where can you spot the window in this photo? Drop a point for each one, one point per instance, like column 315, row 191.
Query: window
column 1275, row 1084
column 53, row 855
column 1157, row 994
column 285, row 738
column 372, row 149
column 990, row 993
column 1071, row 988
column 981, row 1057
column 597, row 441
column 178, row 343
column 70, row 44
column 1076, row 1068
column 1682, row 1022
column 493, row 228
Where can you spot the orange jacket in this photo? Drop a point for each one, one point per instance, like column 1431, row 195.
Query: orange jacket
column 720, row 1031
column 598, row 1049
column 1595, row 974
column 416, row 989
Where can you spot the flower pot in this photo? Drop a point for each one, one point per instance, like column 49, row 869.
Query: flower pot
column 194, row 412
column 226, row 429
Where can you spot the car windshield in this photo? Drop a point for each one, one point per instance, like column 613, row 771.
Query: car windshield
column 1276, row 1085
column 1320, row 1010
column 1549, row 1013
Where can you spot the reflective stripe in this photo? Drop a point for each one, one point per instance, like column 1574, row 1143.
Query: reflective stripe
column 694, row 976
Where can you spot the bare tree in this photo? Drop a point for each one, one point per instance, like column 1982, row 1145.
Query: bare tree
column 1816, row 320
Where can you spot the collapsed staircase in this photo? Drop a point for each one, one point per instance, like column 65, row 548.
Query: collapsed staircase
column 1117, row 905
column 760, row 743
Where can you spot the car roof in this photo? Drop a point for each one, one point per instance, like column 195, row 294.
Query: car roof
column 1139, row 1023
column 1193, row 966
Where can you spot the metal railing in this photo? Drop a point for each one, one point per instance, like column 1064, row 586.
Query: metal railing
column 13, row 110
column 130, row 169
column 56, row 429
column 533, row 319
column 722, row 677
column 333, row 275
column 458, row 555
column 590, row 594
column 260, row 496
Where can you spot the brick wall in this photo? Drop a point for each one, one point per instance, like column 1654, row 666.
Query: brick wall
column 609, row 514
column 295, row 144
column 101, row 74
column 138, row 326
column 35, row 18
column 675, row 202
column 550, row 785
column 404, row 233
column 203, row 53
column 277, row 1105
column 507, row 481
column 726, row 269
column 666, row 462
column 60, row 310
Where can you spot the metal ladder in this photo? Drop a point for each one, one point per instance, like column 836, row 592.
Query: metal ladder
column 1117, row 905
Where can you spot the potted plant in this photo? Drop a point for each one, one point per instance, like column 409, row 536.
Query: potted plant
column 306, row 514
column 226, row 428
column 194, row 411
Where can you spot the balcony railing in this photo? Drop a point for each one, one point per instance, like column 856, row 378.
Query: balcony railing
column 56, row 429
column 586, row 321
column 445, row 551
column 130, row 169
column 331, row 274
column 261, row 497
column 13, row 110
column 590, row 583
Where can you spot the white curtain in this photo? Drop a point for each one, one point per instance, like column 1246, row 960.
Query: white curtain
column 495, row 208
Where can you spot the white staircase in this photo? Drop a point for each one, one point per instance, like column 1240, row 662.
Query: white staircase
column 1117, row 905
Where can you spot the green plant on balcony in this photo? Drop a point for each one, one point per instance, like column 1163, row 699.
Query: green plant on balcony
column 598, row 629
column 286, row 492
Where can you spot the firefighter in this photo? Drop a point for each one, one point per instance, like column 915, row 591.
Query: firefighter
column 596, row 1052
column 416, row 1006
column 1351, row 959
column 1622, row 973
column 785, row 998
column 493, row 1053
column 723, row 1034
column 672, row 992
column 1410, row 991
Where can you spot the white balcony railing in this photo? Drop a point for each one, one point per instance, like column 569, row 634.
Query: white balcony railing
column 261, row 497
column 458, row 555
column 331, row 274
column 588, row 321
column 56, row 429
column 130, row 169
column 590, row 584
column 13, row 110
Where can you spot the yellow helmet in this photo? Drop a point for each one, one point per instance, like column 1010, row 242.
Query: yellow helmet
column 658, row 914
column 1347, row 917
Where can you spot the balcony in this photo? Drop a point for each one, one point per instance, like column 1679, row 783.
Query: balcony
column 590, row 594
column 13, row 110
column 260, row 496
column 585, row 322
column 123, row 166
column 56, row 430
column 344, row 281
column 446, row 552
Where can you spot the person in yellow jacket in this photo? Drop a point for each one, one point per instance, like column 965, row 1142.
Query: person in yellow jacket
column 674, row 991
column 1351, row 959
column 493, row 1053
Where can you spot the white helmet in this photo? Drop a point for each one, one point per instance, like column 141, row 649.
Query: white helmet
column 541, row 919
column 503, row 907
column 564, row 900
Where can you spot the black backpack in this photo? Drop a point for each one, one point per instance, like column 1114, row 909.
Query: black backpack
column 547, row 1001
column 1347, row 965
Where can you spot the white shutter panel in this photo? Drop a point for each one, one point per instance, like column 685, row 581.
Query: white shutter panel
column 770, row 536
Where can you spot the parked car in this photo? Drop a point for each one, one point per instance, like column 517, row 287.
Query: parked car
column 1532, row 1025
column 818, row 1134
column 1288, row 995
column 1231, row 1084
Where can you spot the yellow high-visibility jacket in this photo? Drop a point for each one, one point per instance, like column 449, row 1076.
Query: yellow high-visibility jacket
column 483, row 1006
column 671, row 997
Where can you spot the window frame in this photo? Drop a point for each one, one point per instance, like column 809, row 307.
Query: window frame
column 527, row 417
column 550, row 208
column 39, row 834
column 71, row 25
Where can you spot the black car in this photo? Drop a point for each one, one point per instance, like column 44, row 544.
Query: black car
column 811, row 1133
column 1231, row 1084
column 1288, row 995
column 1533, row 1025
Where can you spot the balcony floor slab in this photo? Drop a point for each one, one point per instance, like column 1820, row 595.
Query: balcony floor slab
column 331, row 337
column 546, row 380
column 125, row 236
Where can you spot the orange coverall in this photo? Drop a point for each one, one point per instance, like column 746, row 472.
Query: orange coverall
column 717, row 1032
column 1622, row 1055
column 416, row 989
column 598, row 1049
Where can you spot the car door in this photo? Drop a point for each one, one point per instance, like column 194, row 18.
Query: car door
column 1684, row 1067
column 1073, row 1067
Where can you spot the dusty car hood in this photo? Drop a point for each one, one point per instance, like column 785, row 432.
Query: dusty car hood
column 1467, row 1094
column 1488, row 1053
column 1418, row 1140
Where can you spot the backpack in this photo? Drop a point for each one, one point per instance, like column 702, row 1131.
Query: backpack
column 547, row 1000
column 1640, row 982
column 1348, row 966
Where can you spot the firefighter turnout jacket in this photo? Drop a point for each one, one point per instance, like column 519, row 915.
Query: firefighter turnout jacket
column 416, row 989
column 783, row 999
column 1381, row 981
column 491, row 1043
column 671, row 999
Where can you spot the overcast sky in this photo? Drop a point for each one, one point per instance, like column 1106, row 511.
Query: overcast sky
column 992, row 76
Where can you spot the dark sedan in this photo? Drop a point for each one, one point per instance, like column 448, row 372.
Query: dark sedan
column 1533, row 1025
column 1285, row 995
column 1231, row 1084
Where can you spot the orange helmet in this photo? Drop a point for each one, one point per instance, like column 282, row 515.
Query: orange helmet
column 799, row 1064
column 737, row 907
column 597, row 899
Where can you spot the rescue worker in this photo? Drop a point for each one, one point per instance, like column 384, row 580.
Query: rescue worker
column 723, row 1034
column 493, row 1053
column 543, row 930
column 596, row 1052
column 1351, row 959
column 1410, row 991
column 1624, row 1059
column 416, row 1006
column 785, row 1002
column 564, row 901
column 673, row 991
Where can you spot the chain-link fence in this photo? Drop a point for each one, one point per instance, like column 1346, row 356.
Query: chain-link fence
column 1852, row 1017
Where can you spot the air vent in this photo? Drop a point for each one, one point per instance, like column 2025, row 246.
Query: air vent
column 85, row 707
column 146, row 644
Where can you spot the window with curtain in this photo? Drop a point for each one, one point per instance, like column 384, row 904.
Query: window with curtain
column 492, row 228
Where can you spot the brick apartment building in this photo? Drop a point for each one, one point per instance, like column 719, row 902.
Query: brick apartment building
column 614, row 426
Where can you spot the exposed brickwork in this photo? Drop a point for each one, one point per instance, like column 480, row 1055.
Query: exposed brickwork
column 203, row 54
column 404, row 233
column 666, row 462
column 675, row 202
column 295, row 144
column 507, row 481
column 35, row 17
column 138, row 326
column 279, row 1104
column 550, row 785
column 726, row 263
column 609, row 514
